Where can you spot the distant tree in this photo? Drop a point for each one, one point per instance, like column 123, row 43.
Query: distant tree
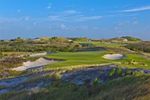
column 81, row 39
column 19, row 39
column 129, row 38
column 2, row 40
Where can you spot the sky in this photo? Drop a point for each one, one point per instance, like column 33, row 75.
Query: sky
column 74, row 18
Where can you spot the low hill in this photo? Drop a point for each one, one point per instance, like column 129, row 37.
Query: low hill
column 129, row 38
column 140, row 46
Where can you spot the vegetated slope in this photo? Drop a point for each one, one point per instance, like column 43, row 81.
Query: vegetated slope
column 37, row 45
column 128, row 88
column 129, row 38
column 140, row 46
column 8, row 63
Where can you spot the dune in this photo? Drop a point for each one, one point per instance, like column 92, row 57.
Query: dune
column 38, row 63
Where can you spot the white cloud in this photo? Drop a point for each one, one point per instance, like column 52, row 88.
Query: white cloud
column 55, row 18
column 34, row 23
column 135, row 22
column 77, row 18
column 26, row 18
column 86, row 18
column 63, row 26
column 71, row 12
column 140, row 9
column 49, row 6
column 18, row 10
column 72, row 16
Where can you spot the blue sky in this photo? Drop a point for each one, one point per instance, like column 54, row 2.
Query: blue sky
column 74, row 18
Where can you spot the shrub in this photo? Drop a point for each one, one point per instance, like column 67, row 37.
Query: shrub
column 112, row 72
column 119, row 71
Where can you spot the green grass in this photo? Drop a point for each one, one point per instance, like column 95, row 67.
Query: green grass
column 81, row 59
column 2, row 87
column 135, row 60
column 107, row 44
column 77, row 58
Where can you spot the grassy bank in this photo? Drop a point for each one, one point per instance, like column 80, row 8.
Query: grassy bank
column 128, row 88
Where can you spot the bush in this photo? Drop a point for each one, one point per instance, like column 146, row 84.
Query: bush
column 112, row 72
column 119, row 71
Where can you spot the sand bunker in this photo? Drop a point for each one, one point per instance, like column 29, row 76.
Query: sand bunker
column 113, row 56
column 38, row 63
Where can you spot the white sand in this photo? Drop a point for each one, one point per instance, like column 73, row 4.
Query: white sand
column 37, row 63
column 113, row 56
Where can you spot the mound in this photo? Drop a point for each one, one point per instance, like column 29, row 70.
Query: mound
column 38, row 63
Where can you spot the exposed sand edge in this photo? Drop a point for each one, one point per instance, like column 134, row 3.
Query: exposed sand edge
column 41, row 62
